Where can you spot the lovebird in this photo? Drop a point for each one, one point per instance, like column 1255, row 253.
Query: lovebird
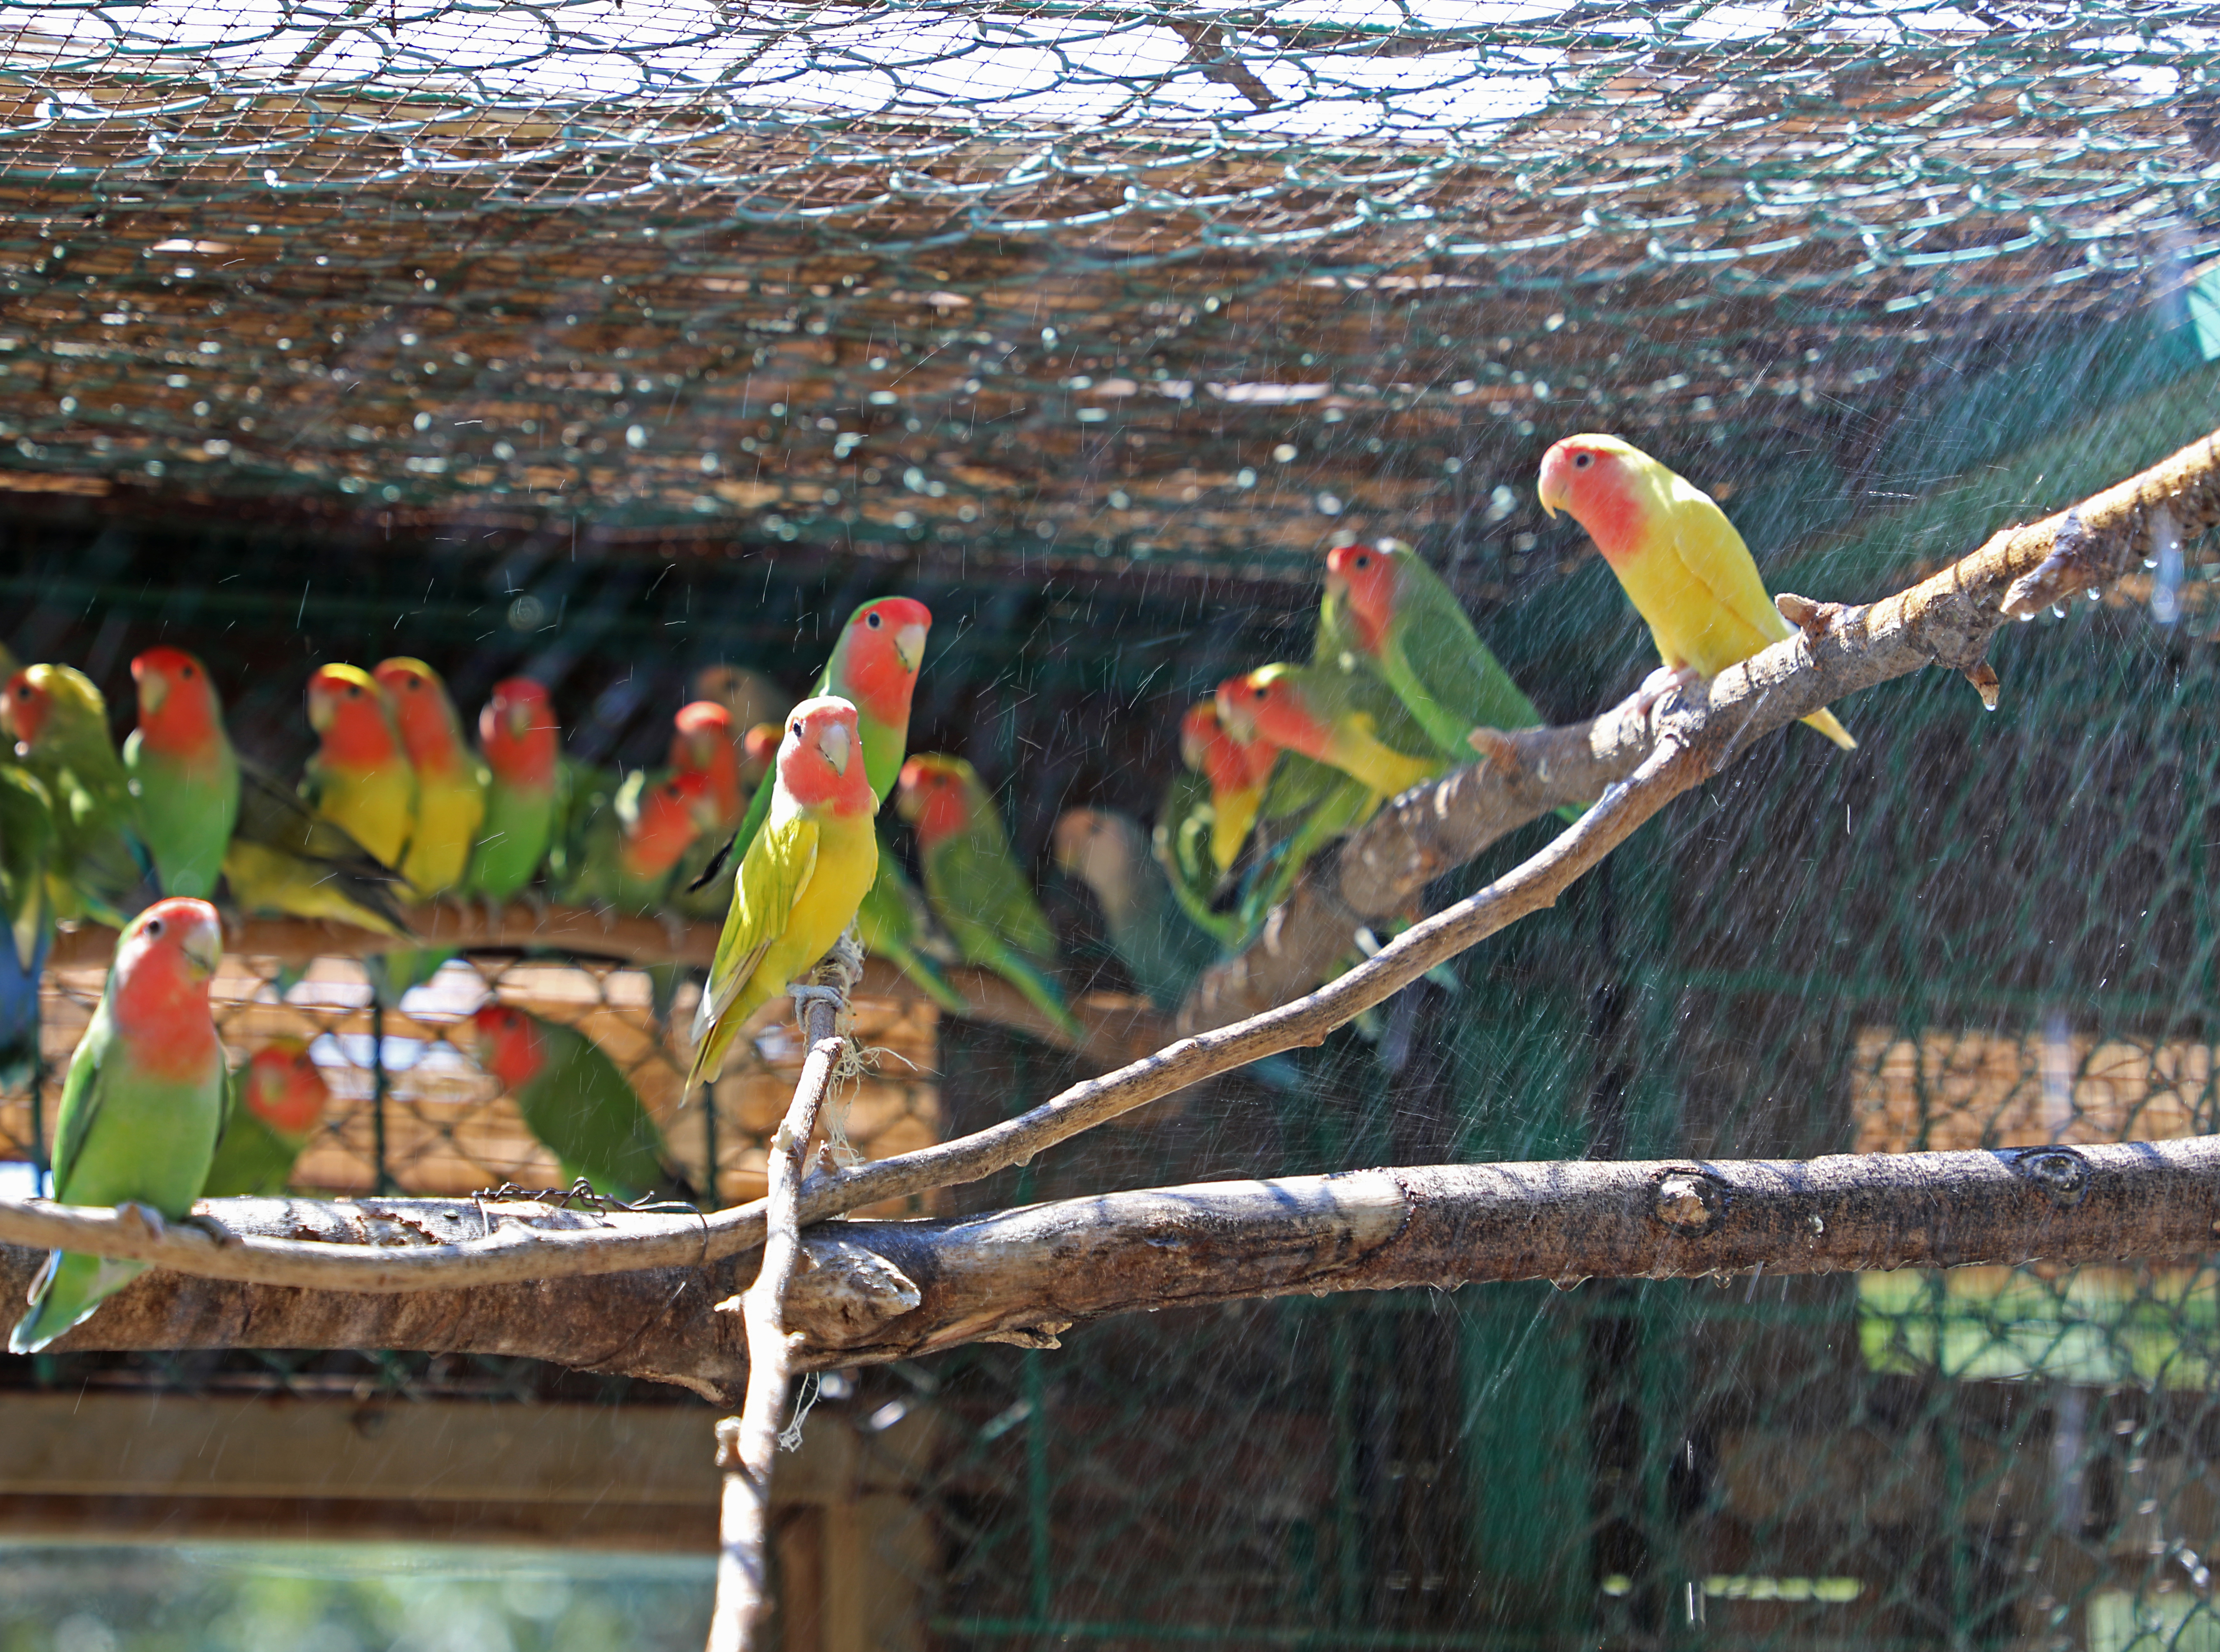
column 874, row 668
column 1343, row 719
column 631, row 843
column 278, row 1100
column 451, row 784
column 573, row 1099
column 975, row 886
column 801, row 879
column 1237, row 769
column 26, row 851
column 896, row 924
column 1395, row 613
column 758, row 751
column 1162, row 950
column 360, row 776
column 287, row 859
column 1180, row 841
column 182, row 770
column 1679, row 559
column 701, row 744
column 142, row 1105
column 521, row 744
column 101, row 868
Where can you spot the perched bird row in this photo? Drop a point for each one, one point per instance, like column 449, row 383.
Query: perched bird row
column 1278, row 761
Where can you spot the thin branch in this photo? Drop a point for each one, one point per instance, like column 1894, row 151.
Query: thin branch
column 868, row 1291
column 1946, row 619
column 747, row 1445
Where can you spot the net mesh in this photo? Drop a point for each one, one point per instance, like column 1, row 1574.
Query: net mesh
column 1053, row 281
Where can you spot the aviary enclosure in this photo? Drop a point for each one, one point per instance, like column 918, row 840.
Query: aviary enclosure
column 627, row 347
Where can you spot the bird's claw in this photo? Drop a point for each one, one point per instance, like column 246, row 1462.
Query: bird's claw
column 1496, row 748
column 1983, row 676
column 210, row 1224
column 1665, row 680
column 143, row 1219
column 1813, row 619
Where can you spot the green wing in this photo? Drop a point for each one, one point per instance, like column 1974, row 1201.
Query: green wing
column 776, row 868
column 82, row 1094
column 585, row 1110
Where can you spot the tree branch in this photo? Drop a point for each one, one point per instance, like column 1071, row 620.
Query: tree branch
column 868, row 1291
column 1946, row 619
column 747, row 1445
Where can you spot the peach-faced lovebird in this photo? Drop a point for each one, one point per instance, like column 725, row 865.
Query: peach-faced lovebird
column 701, row 744
column 278, row 1100
column 102, row 867
column 573, row 1099
column 1339, row 718
column 522, row 747
column 1398, row 614
column 182, row 770
column 451, row 785
column 975, row 886
column 26, row 851
column 1180, row 841
column 360, row 776
column 630, row 844
column 801, row 881
column 758, row 751
column 1683, row 566
column 1237, row 769
column 1162, row 952
column 874, row 668
column 285, row 858
column 141, row 1106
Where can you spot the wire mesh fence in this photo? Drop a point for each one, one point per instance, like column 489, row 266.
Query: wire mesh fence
column 413, row 1112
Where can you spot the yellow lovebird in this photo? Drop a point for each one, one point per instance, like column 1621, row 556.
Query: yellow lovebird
column 801, row 879
column 360, row 776
column 1683, row 566
column 451, row 783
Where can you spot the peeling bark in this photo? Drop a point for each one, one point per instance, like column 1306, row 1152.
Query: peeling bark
column 866, row 1292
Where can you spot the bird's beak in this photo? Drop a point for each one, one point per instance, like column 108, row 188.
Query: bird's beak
column 153, row 689
column 837, row 746
column 203, row 945
column 909, row 646
column 320, row 712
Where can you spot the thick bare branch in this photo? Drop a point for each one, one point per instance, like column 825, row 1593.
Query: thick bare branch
column 874, row 1291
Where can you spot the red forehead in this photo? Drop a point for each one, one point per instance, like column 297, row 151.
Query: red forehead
column 170, row 662
column 704, row 716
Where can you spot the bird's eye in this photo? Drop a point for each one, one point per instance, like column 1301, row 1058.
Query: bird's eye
column 185, row 672
column 1581, row 461
column 873, row 620
column 154, row 926
column 354, row 691
column 794, row 728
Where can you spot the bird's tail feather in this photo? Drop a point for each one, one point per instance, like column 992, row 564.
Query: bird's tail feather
column 1825, row 722
column 1039, row 991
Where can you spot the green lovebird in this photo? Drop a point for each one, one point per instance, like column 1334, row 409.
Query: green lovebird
column 800, row 883
column 522, row 747
column 1182, row 841
column 101, row 868
column 141, row 1107
column 287, row 860
column 896, row 924
column 629, row 843
column 1384, row 604
column 874, row 668
column 26, row 850
column 1162, row 950
column 451, row 784
column 1395, row 611
column 573, row 1099
column 182, row 770
column 279, row 1099
column 975, row 886
column 360, row 776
